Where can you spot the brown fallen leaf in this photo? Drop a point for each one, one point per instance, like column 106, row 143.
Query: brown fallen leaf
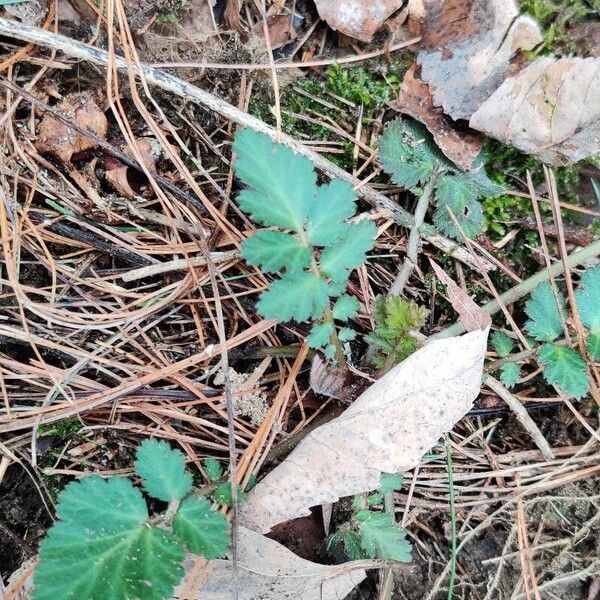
column 359, row 19
column 551, row 109
column 469, row 45
column 117, row 172
column 387, row 429
column 60, row 140
column 460, row 145
column 281, row 30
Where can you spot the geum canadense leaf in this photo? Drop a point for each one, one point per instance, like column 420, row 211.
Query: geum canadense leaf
column 545, row 321
column 113, row 553
column 593, row 346
column 213, row 468
column 345, row 307
column 283, row 183
column 407, row 152
column 204, row 531
column 333, row 204
column 510, row 373
column 565, row 368
column 319, row 335
column 349, row 251
column 162, row 470
column 455, row 197
column 587, row 297
column 380, row 538
column 298, row 296
column 274, row 250
column 502, row 344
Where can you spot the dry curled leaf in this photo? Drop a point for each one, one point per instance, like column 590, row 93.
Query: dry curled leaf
column 460, row 145
column 357, row 18
column 469, row 45
column 64, row 142
column 387, row 429
column 551, row 109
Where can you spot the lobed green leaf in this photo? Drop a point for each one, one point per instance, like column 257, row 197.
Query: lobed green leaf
column 162, row 470
column 345, row 308
column 390, row 482
column 454, row 195
column 319, row 335
column 274, row 250
column 545, row 321
column 587, row 298
column 213, row 468
column 380, row 538
column 510, row 373
column 565, row 368
column 593, row 346
column 502, row 344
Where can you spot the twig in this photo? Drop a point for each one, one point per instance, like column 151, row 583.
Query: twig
column 522, row 416
column 189, row 92
column 453, row 535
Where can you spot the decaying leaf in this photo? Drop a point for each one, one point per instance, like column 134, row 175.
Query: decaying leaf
column 54, row 137
column 387, row 429
column 461, row 146
column 325, row 379
column 281, row 30
column 357, row 18
column 551, row 109
column 265, row 569
column 468, row 48
column 117, row 176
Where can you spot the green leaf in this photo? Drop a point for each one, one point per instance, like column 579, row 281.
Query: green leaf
column 390, row 482
column 587, row 297
column 345, row 545
column 345, row 308
column 545, row 320
column 274, row 250
column 111, row 553
column 297, row 296
column 162, row 470
column 375, row 498
column 283, row 183
column 346, row 334
column 510, row 373
column 204, row 531
column 213, row 468
column 502, row 344
column 334, row 203
column 407, row 152
column 319, row 335
column 222, row 494
column 380, row 538
column 593, row 346
column 349, row 250
column 455, row 195
column 564, row 368
column 482, row 185
column 329, row 351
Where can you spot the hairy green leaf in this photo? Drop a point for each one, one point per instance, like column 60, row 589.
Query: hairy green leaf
column 345, row 308
column 455, row 195
column 390, row 482
column 204, row 531
column 349, row 251
column 407, row 152
column 587, row 297
column 346, row 334
column 564, row 368
column 344, row 545
column 297, row 296
column 329, row 352
column 283, row 183
column 222, row 494
column 593, row 346
column 274, row 250
column 334, row 203
column 380, row 538
column 319, row 335
column 502, row 344
column 510, row 373
column 482, row 185
column 545, row 320
column 213, row 468
column 162, row 470
column 112, row 553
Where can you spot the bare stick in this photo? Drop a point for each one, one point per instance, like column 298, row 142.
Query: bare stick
column 179, row 87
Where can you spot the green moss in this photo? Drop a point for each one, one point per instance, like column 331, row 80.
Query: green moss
column 63, row 430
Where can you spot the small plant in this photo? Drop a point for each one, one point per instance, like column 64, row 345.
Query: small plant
column 220, row 490
column 408, row 153
column 371, row 533
column 105, row 544
column 310, row 241
column 395, row 320
column 562, row 366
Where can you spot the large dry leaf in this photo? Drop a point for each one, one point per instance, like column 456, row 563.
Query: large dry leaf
column 551, row 109
column 265, row 570
column 387, row 429
column 461, row 146
column 357, row 18
column 469, row 46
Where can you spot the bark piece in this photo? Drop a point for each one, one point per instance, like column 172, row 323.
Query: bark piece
column 551, row 109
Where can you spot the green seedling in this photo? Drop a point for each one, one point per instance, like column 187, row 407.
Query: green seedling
column 371, row 533
column 309, row 240
column 562, row 366
column 105, row 544
column 409, row 154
